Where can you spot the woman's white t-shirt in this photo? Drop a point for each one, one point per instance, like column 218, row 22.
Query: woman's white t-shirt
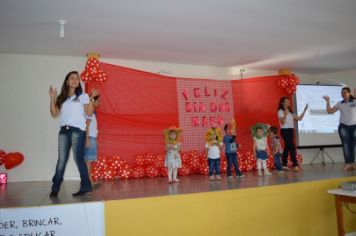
column 289, row 124
column 72, row 111
column 347, row 112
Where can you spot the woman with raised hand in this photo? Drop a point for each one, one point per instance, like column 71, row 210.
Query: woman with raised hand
column 71, row 105
column 286, row 121
column 347, row 126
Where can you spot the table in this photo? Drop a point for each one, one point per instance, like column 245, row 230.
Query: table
column 342, row 196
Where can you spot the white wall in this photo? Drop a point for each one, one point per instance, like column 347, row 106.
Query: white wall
column 191, row 71
column 26, row 125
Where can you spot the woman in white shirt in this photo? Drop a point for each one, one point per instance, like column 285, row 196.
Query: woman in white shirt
column 347, row 126
column 70, row 105
column 286, row 121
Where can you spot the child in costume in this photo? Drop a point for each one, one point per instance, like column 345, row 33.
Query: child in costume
column 231, row 149
column 276, row 149
column 261, row 150
column 173, row 160
column 213, row 147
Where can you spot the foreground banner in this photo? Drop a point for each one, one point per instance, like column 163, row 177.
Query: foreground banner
column 71, row 219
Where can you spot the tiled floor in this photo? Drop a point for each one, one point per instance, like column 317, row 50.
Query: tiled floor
column 21, row 194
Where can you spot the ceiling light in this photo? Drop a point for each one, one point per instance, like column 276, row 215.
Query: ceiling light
column 61, row 28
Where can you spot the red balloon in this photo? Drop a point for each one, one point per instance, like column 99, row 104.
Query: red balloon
column 151, row 171
column 13, row 159
column 85, row 76
column 184, row 171
column 162, row 171
column 2, row 156
column 138, row 172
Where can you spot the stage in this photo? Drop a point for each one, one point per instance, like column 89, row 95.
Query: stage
column 293, row 204
column 28, row 194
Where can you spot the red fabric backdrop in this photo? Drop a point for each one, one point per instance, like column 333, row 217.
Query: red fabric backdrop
column 136, row 107
column 255, row 100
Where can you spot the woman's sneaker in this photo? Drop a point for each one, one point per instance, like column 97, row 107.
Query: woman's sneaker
column 53, row 194
column 81, row 193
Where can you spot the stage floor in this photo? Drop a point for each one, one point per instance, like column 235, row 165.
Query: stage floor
column 28, row 194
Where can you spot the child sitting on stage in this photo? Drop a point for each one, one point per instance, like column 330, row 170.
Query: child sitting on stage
column 173, row 160
column 231, row 149
column 261, row 150
column 213, row 147
column 276, row 149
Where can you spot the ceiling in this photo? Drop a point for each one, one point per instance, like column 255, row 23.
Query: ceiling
column 308, row 36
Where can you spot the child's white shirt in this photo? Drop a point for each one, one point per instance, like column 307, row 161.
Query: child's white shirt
column 93, row 126
column 213, row 151
column 261, row 143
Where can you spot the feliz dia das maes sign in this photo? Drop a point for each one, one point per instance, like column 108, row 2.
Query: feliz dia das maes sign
column 206, row 105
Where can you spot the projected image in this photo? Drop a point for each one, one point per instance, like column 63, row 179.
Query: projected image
column 316, row 119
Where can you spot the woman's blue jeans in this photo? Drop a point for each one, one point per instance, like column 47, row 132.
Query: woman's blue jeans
column 71, row 137
column 348, row 139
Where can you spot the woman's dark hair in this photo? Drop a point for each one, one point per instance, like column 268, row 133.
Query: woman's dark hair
column 280, row 104
column 62, row 97
column 349, row 91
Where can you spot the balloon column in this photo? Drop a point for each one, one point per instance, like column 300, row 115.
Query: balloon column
column 288, row 81
column 92, row 70
column 2, row 156
column 151, row 165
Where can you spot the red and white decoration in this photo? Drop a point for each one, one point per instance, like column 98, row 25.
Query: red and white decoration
column 137, row 106
column 152, row 165
column 2, row 157
column 202, row 104
column 289, row 83
column 93, row 72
